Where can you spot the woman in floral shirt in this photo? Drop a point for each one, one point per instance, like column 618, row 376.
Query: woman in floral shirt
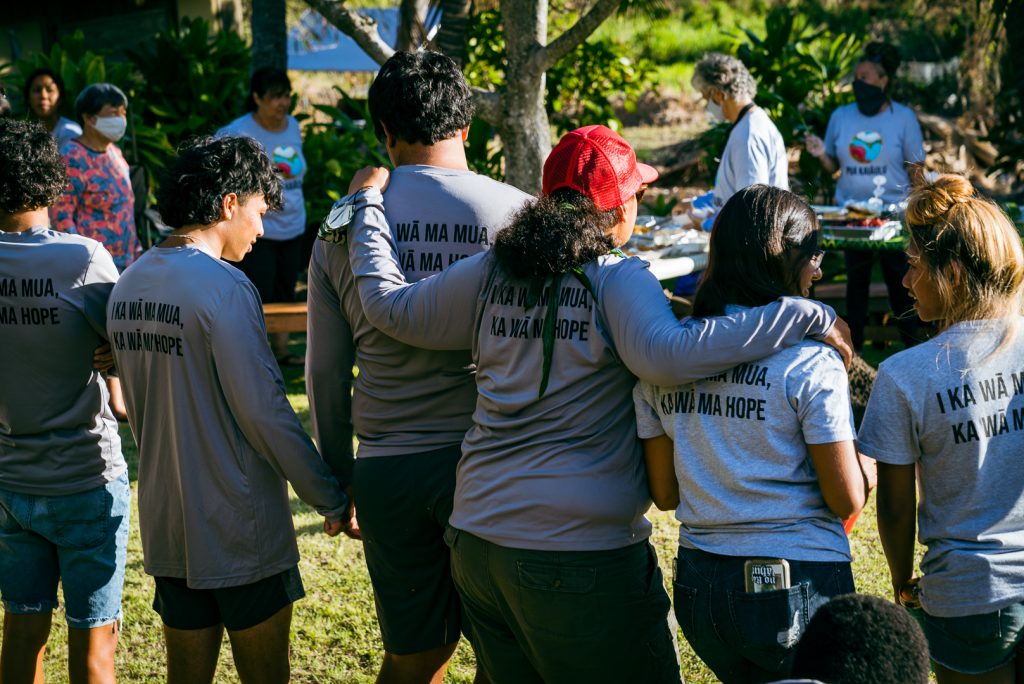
column 99, row 202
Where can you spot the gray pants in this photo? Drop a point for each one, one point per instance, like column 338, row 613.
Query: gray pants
column 564, row 617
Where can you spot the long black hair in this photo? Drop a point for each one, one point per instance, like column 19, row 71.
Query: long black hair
column 553, row 235
column 761, row 239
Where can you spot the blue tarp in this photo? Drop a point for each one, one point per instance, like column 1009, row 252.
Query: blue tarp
column 316, row 45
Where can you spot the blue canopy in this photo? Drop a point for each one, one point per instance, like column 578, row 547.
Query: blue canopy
column 316, row 45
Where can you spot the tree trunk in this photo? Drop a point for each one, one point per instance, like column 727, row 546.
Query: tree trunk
column 269, row 44
column 411, row 32
column 451, row 39
column 524, row 127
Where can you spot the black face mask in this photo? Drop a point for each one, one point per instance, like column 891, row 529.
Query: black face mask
column 869, row 98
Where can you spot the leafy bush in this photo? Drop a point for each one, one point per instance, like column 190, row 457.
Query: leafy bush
column 193, row 81
column 581, row 88
column 335, row 150
column 76, row 66
column 801, row 70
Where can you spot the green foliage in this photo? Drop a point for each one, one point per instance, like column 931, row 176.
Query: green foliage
column 581, row 88
column 335, row 149
column 660, row 205
column 801, row 71
column 76, row 66
column 679, row 34
column 192, row 82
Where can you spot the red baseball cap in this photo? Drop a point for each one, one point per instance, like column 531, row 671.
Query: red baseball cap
column 597, row 162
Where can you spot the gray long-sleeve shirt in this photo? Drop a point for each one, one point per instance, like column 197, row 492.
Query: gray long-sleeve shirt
column 57, row 434
column 217, row 438
column 407, row 399
column 563, row 471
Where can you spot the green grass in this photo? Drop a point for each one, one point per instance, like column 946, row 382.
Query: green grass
column 678, row 40
column 334, row 629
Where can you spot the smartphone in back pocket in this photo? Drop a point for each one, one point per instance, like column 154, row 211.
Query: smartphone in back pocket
column 765, row 574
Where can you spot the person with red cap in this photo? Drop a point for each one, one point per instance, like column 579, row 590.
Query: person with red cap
column 550, row 549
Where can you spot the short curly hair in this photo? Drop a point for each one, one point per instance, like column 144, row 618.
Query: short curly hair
column 421, row 97
column 207, row 169
column 858, row 639
column 725, row 74
column 33, row 175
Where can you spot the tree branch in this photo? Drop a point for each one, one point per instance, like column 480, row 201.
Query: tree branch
column 359, row 27
column 546, row 57
column 488, row 105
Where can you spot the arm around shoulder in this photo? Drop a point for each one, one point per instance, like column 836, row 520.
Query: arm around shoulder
column 438, row 312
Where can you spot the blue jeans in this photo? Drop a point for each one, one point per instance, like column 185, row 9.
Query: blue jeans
column 745, row 637
column 79, row 539
column 974, row 644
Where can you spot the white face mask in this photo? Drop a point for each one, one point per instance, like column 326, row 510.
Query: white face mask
column 715, row 114
column 111, row 127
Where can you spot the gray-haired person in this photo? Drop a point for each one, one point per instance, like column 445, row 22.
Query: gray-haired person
column 755, row 152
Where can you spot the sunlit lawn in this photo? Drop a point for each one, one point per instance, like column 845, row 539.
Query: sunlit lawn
column 334, row 631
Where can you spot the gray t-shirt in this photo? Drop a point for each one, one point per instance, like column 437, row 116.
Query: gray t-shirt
column 755, row 153
column 217, row 437
column 561, row 471
column 956, row 411
column 747, row 485
column 285, row 151
column 406, row 400
column 65, row 130
column 57, row 435
column 869, row 146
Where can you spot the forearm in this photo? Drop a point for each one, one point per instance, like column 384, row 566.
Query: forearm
column 671, row 354
column 897, row 523
column 410, row 312
column 828, row 163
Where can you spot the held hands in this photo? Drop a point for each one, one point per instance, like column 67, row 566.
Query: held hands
column 352, row 530
column 347, row 523
column 103, row 358
column 814, row 145
column 839, row 338
column 370, row 177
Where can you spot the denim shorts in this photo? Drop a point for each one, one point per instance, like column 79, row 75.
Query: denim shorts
column 746, row 637
column 80, row 540
column 974, row 644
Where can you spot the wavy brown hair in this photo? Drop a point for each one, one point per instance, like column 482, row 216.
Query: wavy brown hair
column 970, row 249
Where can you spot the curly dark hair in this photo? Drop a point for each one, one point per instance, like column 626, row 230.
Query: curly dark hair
column 554, row 235
column 205, row 170
column 857, row 639
column 421, row 97
column 761, row 239
column 33, row 175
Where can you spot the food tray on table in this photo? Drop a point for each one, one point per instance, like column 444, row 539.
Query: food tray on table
column 856, row 224
column 670, row 244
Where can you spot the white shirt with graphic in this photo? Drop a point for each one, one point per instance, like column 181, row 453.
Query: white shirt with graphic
column 869, row 146
column 285, row 151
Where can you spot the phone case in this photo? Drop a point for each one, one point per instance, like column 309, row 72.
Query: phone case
column 766, row 574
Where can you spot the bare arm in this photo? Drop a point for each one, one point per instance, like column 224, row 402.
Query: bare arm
column 839, row 476
column 897, row 510
column 661, row 472
column 816, row 148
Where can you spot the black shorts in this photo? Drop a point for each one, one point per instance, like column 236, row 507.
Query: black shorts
column 237, row 608
column 403, row 504
column 273, row 267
